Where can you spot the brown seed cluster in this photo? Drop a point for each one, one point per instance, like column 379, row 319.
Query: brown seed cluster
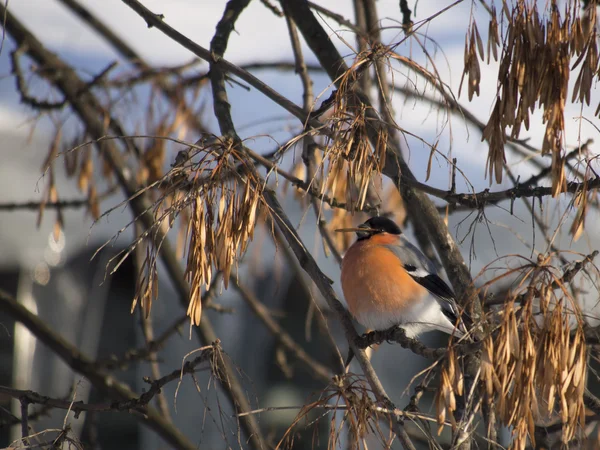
column 350, row 159
column 473, row 47
column 534, row 71
column 533, row 365
column 581, row 201
column 349, row 397
column 451, row 386
column 212, row 190
column 79, row 164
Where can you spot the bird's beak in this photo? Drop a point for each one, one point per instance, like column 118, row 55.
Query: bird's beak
column 362, row 231
column 349, row 230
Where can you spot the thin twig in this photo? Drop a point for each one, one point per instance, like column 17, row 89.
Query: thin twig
column 35, row 205
column 480, row 199
column 148, row 330
column 374, row 408
column 82, row 364
column 93, row 116
column 24, row 417
column 293, row 263
column 314, row 367
column 309, row 147
column 135, row 403
column 142, row 353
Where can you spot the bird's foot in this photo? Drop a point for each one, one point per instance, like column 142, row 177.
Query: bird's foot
column 395, row 333
column 376, row 337
column 363, row 341
column 349, row 358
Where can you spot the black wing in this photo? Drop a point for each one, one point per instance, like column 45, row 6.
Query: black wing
column 423, row 271
column 438, row 288
column 431, row 282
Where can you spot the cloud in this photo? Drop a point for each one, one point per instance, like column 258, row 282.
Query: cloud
column 59, row 29
column 13, row 119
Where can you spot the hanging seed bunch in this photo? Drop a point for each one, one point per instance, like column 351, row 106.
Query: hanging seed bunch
column 352, row 161
column 451, row 386
column 535, row 366
column 350, row 397
column 30, row 83
column 540, row 50
column 583, row 200
column 474, row 47
column 78, row 163
column 212, row 189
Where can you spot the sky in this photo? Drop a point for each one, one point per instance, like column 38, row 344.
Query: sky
column 261, row 36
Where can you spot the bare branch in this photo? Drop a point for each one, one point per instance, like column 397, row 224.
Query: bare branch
column 24, row 416
column 314, row 367
column 35, row 206
column 92, row 115
column 139, row 404
column 85, row 366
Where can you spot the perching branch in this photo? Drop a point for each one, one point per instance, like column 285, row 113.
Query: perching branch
column 397, row 335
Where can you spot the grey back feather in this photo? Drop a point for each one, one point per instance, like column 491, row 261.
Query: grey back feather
column 410, row 255
column 424, row 272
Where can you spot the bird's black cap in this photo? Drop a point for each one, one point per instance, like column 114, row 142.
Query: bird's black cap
column 376, row 225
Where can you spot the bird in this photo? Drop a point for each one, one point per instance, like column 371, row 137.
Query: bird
column 387, row 282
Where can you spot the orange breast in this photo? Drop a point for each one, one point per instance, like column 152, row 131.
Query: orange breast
column 374, row 281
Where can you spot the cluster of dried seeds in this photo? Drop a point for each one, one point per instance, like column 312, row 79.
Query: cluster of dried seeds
column 349, row 397
column 217, row 200
column 218, row 241
column 352, row 161
column 534, row 366
column 451, row 386
column 534, row 73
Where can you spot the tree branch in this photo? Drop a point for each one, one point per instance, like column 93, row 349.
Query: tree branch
column 419, row 206
column 35, row 205
column 92, row 115
column 480, row 199
column 304, row 257
column 315, row 368
column 85, row 366
column 139, row 404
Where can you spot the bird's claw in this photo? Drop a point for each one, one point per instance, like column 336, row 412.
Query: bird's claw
column 401, row 331
column 374, row 337
column 349, row 358
column 363, row 341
